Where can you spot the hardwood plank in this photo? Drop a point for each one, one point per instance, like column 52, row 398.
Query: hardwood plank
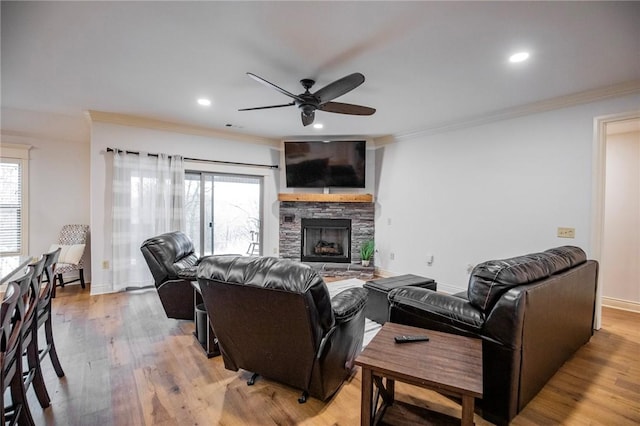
column 127, row 364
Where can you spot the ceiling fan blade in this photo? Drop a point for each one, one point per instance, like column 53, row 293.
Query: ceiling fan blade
column 342, row 108
column 307, row 118
column 267, row 107
column 339, row 87
column 273, row 86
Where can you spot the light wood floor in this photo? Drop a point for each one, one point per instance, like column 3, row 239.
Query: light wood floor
column 127, row 364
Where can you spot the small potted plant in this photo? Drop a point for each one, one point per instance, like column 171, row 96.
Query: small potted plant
column 366, row 252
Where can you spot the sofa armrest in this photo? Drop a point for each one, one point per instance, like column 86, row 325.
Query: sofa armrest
column 190, row 273
column 348, row 303
column 177, row 299
column 438, row 311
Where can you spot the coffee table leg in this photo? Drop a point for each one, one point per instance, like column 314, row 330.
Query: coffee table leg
column 468, row 403
column 367, row 395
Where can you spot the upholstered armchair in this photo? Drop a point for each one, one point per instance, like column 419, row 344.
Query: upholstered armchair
column 72, row 240
column 172, row 262
column 275, row 318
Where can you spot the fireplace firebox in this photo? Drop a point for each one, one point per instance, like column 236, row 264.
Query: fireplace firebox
column 326, row 240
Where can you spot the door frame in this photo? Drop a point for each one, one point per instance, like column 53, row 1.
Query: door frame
column 598, row 193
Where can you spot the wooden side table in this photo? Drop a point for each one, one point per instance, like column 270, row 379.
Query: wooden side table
column 447, row 363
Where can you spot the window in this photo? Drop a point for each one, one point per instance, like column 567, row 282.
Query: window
column 223, row 213
column 13, row 199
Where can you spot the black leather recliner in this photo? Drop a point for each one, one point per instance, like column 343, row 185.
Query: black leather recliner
column 532, row 313
column 173, row 262
column 275, row 318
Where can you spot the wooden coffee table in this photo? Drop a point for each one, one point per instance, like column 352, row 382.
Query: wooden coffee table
column 447, row 363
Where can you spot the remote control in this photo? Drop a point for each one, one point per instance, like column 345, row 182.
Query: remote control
column 408, row 339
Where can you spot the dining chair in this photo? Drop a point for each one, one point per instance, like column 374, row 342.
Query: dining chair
column 72, row 240
column 44, row 312
column 11, row 315
column 32, row 373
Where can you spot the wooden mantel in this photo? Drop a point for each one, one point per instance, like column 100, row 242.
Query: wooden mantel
column 326, row 198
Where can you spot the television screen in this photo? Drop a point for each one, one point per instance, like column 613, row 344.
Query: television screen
column 318, row 164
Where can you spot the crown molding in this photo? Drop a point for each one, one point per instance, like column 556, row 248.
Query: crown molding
column 154, row 124
column 579, row 98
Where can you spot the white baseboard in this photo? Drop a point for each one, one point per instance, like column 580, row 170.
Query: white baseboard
column 626, row 305
column 384, row 273
column 101, row 289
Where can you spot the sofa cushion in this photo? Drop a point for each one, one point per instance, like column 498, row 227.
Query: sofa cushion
column 489, row 280
column 565, row 257
column 188, row 273
column 188, row 266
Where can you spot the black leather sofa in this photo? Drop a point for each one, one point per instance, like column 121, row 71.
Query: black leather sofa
column 275, row 318
column 532, row 313
column 173, row 262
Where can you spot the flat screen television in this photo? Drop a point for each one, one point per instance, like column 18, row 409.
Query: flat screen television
column 319, row 164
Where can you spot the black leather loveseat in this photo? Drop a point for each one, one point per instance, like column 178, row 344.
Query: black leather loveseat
column 172, row 262
column 275, row 318
column 532, row 313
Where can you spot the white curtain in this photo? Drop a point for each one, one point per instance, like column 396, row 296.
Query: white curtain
column 148, row 194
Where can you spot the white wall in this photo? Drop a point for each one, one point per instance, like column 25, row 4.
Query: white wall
column 58, row 173
column 621, row 239
column 105, row 135
column 491, row 191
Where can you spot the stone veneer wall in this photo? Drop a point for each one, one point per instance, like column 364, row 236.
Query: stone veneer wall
column 362, row 224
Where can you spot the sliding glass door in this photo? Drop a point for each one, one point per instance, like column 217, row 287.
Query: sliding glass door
column 223, row 213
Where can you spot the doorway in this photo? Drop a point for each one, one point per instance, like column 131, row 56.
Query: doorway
column 223, row 213
column 602, row 234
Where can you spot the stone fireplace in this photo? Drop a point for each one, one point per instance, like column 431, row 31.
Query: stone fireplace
column 328, row 245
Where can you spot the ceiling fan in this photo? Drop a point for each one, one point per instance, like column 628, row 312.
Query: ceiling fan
column 322, row 99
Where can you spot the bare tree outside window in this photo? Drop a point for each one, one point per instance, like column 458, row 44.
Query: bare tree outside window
column 223, row 213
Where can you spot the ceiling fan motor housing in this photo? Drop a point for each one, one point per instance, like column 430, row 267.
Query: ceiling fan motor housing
column 306, row 102
column 307, row 108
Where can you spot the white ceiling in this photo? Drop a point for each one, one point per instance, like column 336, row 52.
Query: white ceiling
column 427, row 64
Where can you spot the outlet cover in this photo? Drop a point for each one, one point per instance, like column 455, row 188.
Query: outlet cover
column 105, row 264
column 566, row 232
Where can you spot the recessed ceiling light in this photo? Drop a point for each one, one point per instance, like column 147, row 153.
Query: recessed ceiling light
column 519, row 57
column 318, row 126
column 204, row 102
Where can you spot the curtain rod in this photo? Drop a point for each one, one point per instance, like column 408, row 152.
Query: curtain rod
column 233, row 163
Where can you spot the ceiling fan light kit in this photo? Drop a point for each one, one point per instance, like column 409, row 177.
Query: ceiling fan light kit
column 308, row 102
